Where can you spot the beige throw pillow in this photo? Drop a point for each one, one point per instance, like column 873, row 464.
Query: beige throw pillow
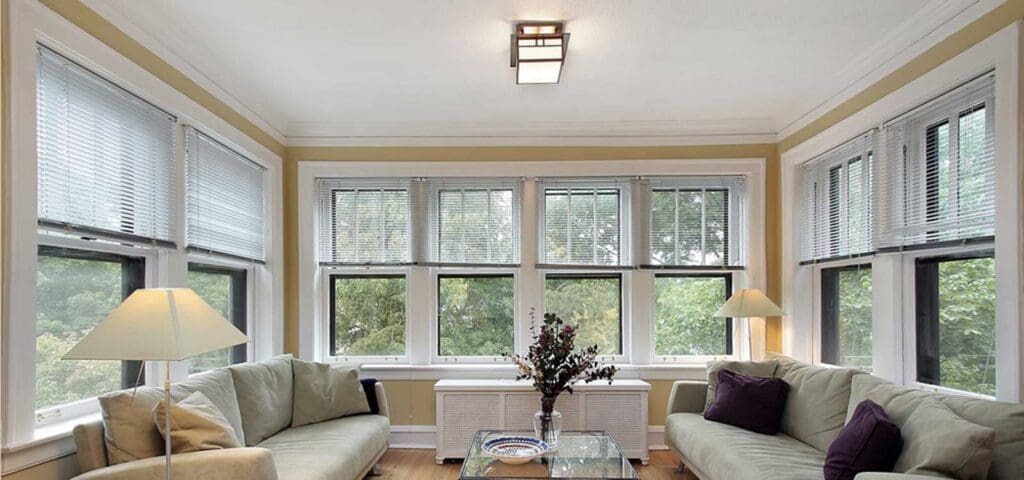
column 324, row 391
column 128, row 429
column 196, row 425
column 937, row 441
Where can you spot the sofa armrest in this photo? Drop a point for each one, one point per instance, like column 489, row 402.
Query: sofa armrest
column 228, row 464
column 688, row 396
column 892, row 476
column 382, row 400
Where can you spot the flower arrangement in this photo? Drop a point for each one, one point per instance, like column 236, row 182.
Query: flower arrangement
column 554, row 364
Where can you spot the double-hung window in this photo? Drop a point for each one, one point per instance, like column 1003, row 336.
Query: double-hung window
column 939, row 209
column 585, row 245
column 836, row 227
column 474, row 251
column 695, row 246
column 105, row 197
column 226, row 290
column 364, row 249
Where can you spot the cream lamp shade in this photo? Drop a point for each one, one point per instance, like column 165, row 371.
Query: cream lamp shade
column 168, row 324
column 749, row 303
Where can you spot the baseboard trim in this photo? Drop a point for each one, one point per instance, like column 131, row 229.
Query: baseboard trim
column 424, row 437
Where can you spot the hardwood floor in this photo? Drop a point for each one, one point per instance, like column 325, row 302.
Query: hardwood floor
column 403, row 464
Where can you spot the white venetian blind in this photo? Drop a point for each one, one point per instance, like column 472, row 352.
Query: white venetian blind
column 474, row 222
column 696, row 221
column 106, row 157
column 936, row 182
column 583, row 222
column 836, row 206
column 225, row 199
column 364, row 222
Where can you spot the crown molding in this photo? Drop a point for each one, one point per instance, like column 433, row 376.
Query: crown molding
column 933, row 23
column 126, row 25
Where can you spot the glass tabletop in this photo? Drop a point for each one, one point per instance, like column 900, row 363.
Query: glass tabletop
column 588, row 455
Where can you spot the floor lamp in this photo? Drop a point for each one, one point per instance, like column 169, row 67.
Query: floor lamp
column 158, row 324
column 750, row 304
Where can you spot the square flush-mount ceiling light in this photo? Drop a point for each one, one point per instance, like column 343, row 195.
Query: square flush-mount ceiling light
column 538, row 52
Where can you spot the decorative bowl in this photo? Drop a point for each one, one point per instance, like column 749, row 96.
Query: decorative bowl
column 515, row 450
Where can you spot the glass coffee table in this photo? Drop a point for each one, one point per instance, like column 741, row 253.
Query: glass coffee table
column 589, row 455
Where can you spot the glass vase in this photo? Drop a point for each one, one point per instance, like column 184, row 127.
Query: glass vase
column 547, row 422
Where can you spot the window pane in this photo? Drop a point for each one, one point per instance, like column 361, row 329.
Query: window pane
column 369, row 226
column 477, row 225
column 73, row 295
column 974, row 172
column 369, row 315
column 475, row 315
column 683, row 316
column 581, row 226
column 956, row 323
column 846, row 316
column 937, row 177
column 593, row 303
column 215, row 289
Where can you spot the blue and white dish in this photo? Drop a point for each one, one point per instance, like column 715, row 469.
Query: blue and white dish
column 515, row 450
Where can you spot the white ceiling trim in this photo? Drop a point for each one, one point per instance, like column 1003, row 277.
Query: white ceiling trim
column 267, row 124
column 927, row 28
column 544, row 141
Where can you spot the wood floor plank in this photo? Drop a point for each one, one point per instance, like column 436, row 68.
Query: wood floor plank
column 407, row 464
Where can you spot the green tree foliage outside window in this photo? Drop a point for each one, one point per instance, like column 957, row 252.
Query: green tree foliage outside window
column 855, row 318
column 214, row 289
column 72, row 297
column 476, row 315
column 369, row 315
column 592, row 304
column 967, row 322
column 683, row 315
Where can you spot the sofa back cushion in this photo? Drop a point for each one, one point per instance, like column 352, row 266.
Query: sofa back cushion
column 264, row 397
column 764, row 369
column 816, row 408
column 1007, row 419
column 128, row 429
column 218, row 386
column 939, row 442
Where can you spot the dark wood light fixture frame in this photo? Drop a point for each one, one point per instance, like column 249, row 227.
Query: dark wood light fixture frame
column 521, row 34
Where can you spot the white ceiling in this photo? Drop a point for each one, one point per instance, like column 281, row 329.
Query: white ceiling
column 440, row 68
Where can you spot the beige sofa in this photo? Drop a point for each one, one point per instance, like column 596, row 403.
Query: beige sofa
column 340, row 449
column 819, row 403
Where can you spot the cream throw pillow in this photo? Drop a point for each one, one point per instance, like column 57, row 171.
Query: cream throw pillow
column 128, row 429
column 324, row 391
column 937, row 441
column 196, row 425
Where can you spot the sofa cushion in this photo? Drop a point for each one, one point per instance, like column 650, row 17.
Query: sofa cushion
column 816, row 407
column 722, row 451
column 324, row 391
column 264, row 397
column 196, row 425
column 898, row 402
column 1007, row 419
column 755, row 369
column 218, row 386
column 752, row 403
column 870, row 442
column 128, row 429
column 336, row 449
column 938, row 441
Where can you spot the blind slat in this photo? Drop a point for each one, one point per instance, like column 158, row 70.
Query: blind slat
column 363, row 222
column 696, row 221
column 582, row 222
column 474, row 222
column 106, row 157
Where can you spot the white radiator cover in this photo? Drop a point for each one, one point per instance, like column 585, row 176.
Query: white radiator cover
column 466, row 406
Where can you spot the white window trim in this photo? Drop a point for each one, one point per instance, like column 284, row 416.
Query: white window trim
column 1001, row 52
column 30, row 22
column 422, row 363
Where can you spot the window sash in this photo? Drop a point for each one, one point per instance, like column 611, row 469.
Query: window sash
column 440, row 277
column 697, row 190
column 106, row 158
column 594, row 276
column 238, row 306
column 565, row 244
column 225, row 199
column 348, row 211
column 454, row 241
column 730, row 343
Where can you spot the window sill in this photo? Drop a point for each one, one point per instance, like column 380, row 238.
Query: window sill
column 48, row 443
column 679, row 371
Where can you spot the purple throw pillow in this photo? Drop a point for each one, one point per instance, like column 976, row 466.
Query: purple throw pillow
column 870, row 442
column 753, row 403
